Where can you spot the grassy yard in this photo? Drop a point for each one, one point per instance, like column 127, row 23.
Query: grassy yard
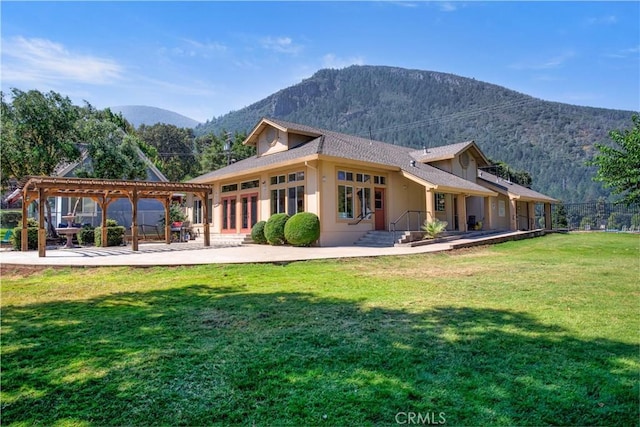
column 535, row 332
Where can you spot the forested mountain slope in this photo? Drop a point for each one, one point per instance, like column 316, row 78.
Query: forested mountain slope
column 417, row 108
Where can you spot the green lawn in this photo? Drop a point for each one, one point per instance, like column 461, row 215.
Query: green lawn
column 535, row 332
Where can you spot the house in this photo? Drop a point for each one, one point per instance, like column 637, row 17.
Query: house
column 356, row 185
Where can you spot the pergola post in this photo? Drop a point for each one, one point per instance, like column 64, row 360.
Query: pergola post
column 134, row 219
column 24, row 233
column 42, row 232
column 205, row 213
column 167, row 218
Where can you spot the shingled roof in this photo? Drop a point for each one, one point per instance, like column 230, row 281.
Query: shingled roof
column 513, row 190
column 339, row 145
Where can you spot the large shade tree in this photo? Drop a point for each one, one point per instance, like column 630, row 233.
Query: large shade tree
column 619, row 164
column 38, row 134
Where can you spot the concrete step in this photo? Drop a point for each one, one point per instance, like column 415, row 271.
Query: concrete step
column 377, row 239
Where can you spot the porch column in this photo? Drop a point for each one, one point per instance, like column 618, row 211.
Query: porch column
column 547, row 216
column 42, row 232
column 513, row 215
column 487, row 223
column 431, row 205
column 531, row 213
column 462, row 212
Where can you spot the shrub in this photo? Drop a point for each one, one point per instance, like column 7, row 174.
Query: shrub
column 32, row 235
column 10, row 218
column 274, row 229
column 434, row 228
column 86, row 236
column 115, row 234
column 302, row 229
column 257, row 233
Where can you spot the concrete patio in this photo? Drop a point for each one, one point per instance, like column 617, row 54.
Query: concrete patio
column 195, row 253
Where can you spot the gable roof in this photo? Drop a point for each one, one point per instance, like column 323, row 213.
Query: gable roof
column 513, row 190
column 446, row 152
column 330, row 144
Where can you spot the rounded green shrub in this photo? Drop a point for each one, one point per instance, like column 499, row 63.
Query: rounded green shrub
column 86, row 236
column 302, row 229
column 274, row 229
column 257, row 233
column 115, row 234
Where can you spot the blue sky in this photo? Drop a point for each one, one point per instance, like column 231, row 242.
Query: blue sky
column 204, row 59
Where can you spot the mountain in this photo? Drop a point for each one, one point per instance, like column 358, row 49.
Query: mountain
column 418, row 108
column 142, row 115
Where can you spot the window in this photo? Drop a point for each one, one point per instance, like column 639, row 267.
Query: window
column 440, row 202
column 345, row 201
column 249, row 184
column 345, row 176
column 196, row 217
column 277, row 201
column 364, row 202
column 277, row 179
column 296, row 200
column 379, row 180
column 229, row 187
column 82, row 205
column 363, row 177
column 298, row 176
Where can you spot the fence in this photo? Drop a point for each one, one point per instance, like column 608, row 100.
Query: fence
column 596, row 216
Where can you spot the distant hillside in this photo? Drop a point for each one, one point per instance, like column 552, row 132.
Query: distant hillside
column 417, row 108
column 140, row 114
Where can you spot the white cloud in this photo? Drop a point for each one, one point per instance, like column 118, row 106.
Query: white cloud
column 34, row 60
column 624, row 53
column 603, row 20
column 332, row 61
column 447, row 6
column 193, row 48
column 280, row 44
column 544, row 63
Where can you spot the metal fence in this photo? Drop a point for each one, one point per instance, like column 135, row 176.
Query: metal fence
column 596, row 216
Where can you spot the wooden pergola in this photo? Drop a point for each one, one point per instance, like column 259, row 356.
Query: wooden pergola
column 103, row 192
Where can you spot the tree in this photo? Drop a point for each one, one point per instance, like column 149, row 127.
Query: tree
column 213, row 155
column 619, row 165
column 38, row 134
column 113, row 154
column 174, row 147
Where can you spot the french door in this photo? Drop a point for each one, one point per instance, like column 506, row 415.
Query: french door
column 249, row 206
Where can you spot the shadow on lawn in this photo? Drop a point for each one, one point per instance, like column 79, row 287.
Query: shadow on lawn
column 200, row 355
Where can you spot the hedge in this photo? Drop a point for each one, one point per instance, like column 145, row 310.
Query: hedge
column 302, row 229
column 10, row 218
column 32, row 235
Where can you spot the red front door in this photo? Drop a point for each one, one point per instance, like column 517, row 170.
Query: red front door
column 229, row 214
column 379, row 209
